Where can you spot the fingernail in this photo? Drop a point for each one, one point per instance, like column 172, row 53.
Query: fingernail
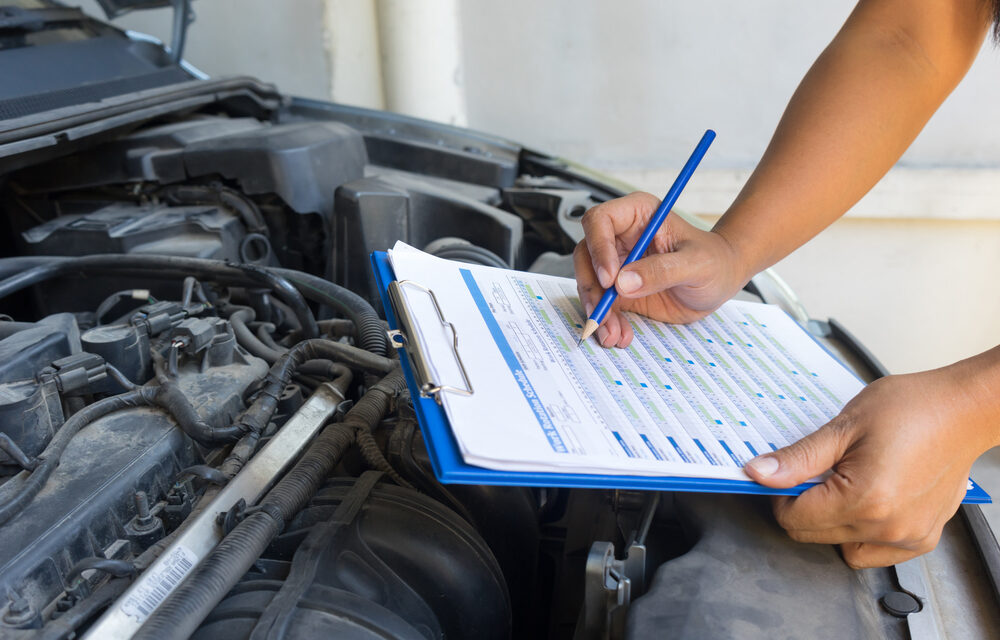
column 765, row 466
column 589, row 309
column 602, row 334
column 604, row 277
column 629, row 281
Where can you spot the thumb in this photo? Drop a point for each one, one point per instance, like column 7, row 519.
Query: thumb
column 800, row 461
column 654, row 273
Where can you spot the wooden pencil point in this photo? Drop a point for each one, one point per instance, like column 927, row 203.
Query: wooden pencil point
column 588, row 330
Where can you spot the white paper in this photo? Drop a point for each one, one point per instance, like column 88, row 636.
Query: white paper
column 694, row 400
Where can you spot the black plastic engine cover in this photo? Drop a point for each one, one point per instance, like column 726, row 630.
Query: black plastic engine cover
column 374, row 212
column 30, row 412
column 420, row 146
column 301, row 162
column 191, row 231
column 197, row 231
column 26, row 349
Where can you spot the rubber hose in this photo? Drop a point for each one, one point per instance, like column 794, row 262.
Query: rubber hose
column 368, row 363
column 12, row 266
column 358, row 358
column 169, row 266
column 288, row 292
column 340, row 377
column 246, row 339
column 337, row 327
column 370, row 332
column 116, row 568
column 68, row 623
column 258, row 414
column 372, row 454
column 170, row 398
column 325, row 370
column 265, row 330
column 14, row 500
column 337, row 351
column 187, row 291
column 222, row 196
column 184, row 609
column 14, row 452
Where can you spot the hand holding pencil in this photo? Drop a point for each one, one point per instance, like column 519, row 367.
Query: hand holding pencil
column 681, row 275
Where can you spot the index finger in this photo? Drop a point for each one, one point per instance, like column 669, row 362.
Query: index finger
column 587, row 285
column 613, row 224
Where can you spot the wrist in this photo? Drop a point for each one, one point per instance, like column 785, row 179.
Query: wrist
column 742, row 258
column 974, row 387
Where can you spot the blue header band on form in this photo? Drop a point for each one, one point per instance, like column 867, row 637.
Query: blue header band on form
column 555, row 440
column 624, row 446
column 649, row 445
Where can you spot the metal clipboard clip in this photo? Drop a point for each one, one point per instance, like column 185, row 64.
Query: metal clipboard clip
column 418, row 358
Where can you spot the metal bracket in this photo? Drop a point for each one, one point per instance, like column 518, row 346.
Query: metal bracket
column 609, row 586
column 401, row 338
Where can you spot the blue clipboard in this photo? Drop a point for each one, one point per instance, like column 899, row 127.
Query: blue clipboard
column 450, row 468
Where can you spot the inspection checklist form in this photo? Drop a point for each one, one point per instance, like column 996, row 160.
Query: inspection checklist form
column 696, row 400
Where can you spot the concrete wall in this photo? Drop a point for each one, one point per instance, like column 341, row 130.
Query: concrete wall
column 628, row 87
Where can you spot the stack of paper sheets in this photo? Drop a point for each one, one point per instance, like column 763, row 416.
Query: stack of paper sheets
column 696, row 400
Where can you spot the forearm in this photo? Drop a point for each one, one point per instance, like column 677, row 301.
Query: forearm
column 860, row 106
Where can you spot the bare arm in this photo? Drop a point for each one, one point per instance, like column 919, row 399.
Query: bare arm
column 856, row 111
column 859, row 107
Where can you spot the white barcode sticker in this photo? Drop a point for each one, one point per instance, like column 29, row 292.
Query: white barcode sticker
column 156, row 584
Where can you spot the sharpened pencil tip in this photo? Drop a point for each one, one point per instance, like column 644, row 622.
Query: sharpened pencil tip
column 588, row 330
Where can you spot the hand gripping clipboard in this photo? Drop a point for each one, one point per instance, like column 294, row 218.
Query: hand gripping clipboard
column 443, row 450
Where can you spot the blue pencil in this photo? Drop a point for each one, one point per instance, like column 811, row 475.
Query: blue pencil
column 602, row 308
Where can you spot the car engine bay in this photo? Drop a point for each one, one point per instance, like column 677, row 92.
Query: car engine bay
column 205, row 433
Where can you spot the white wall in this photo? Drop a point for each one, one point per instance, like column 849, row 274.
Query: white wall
column 629, row 86
column 637, row 81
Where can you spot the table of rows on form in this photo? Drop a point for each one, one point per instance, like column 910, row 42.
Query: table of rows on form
column 718, row 391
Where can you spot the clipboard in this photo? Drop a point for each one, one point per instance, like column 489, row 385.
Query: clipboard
column 443, row 450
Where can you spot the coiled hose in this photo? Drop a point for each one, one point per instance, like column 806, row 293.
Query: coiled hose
column 183, row 611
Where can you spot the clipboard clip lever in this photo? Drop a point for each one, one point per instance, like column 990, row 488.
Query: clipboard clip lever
column 418, row 358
